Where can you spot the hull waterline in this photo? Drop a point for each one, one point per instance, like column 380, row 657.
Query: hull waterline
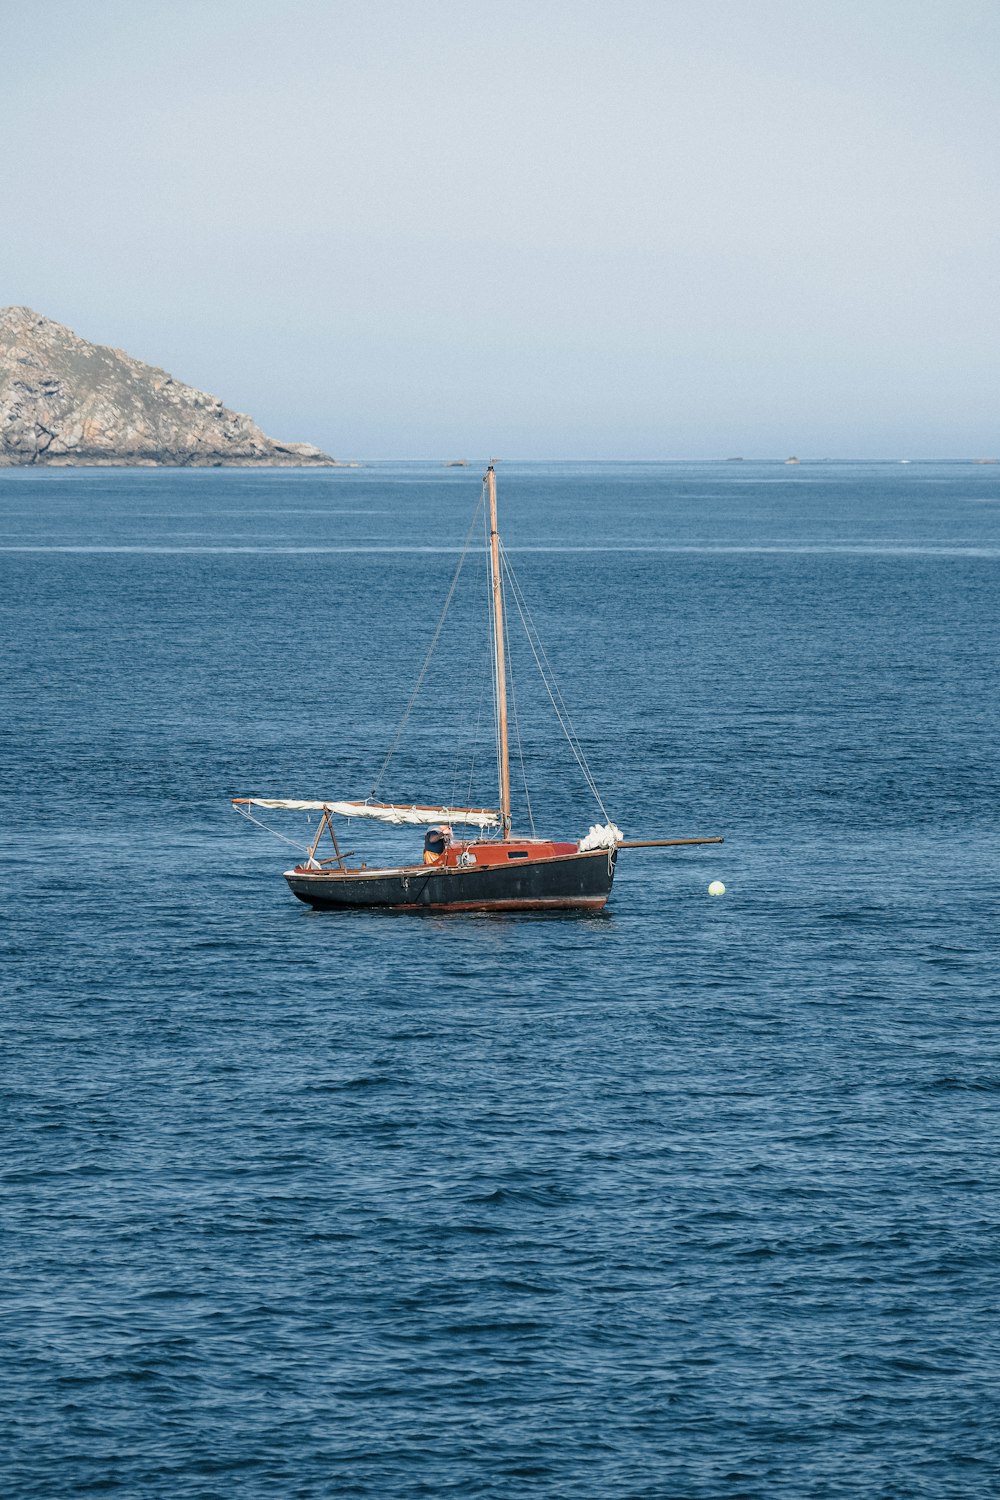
column 575, row 882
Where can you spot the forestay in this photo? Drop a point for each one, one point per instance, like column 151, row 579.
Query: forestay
column 382, row 812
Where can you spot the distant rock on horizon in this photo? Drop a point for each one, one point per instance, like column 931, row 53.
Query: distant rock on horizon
column 65, row 401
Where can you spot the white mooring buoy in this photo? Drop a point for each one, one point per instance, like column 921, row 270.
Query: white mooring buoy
column 717, row 888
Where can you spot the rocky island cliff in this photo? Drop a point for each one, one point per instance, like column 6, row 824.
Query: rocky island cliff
column 65, row 401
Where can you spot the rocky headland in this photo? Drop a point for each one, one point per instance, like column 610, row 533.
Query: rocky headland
column 64, row 401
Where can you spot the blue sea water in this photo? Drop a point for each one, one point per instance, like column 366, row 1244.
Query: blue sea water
column 694, row 1198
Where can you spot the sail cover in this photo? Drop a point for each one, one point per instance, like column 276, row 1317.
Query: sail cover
column 383, row 812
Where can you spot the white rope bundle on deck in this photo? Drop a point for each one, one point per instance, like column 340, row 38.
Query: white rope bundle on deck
column 601, row 836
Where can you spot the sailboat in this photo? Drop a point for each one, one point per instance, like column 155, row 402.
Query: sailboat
column 493, row 869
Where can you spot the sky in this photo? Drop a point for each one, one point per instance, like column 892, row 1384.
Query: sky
column 556, row 229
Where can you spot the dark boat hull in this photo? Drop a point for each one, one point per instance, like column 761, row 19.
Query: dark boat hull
column 565, row 883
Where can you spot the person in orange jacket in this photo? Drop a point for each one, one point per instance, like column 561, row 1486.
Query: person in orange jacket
column 435, row 843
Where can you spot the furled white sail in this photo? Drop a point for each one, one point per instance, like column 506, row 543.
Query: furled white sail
column 382, row 812
column 601, row 836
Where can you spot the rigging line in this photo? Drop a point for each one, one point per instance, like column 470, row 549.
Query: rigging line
column 520, row 756
column 272, row 831
column 477, row 681
column 484, row 678
column 513, row 704
column 562, row 716
column 461, row 749
column 475, row 737
column 548, row 674
column 430, row 652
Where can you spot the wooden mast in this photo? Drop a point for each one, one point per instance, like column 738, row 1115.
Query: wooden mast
column 499, row 664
